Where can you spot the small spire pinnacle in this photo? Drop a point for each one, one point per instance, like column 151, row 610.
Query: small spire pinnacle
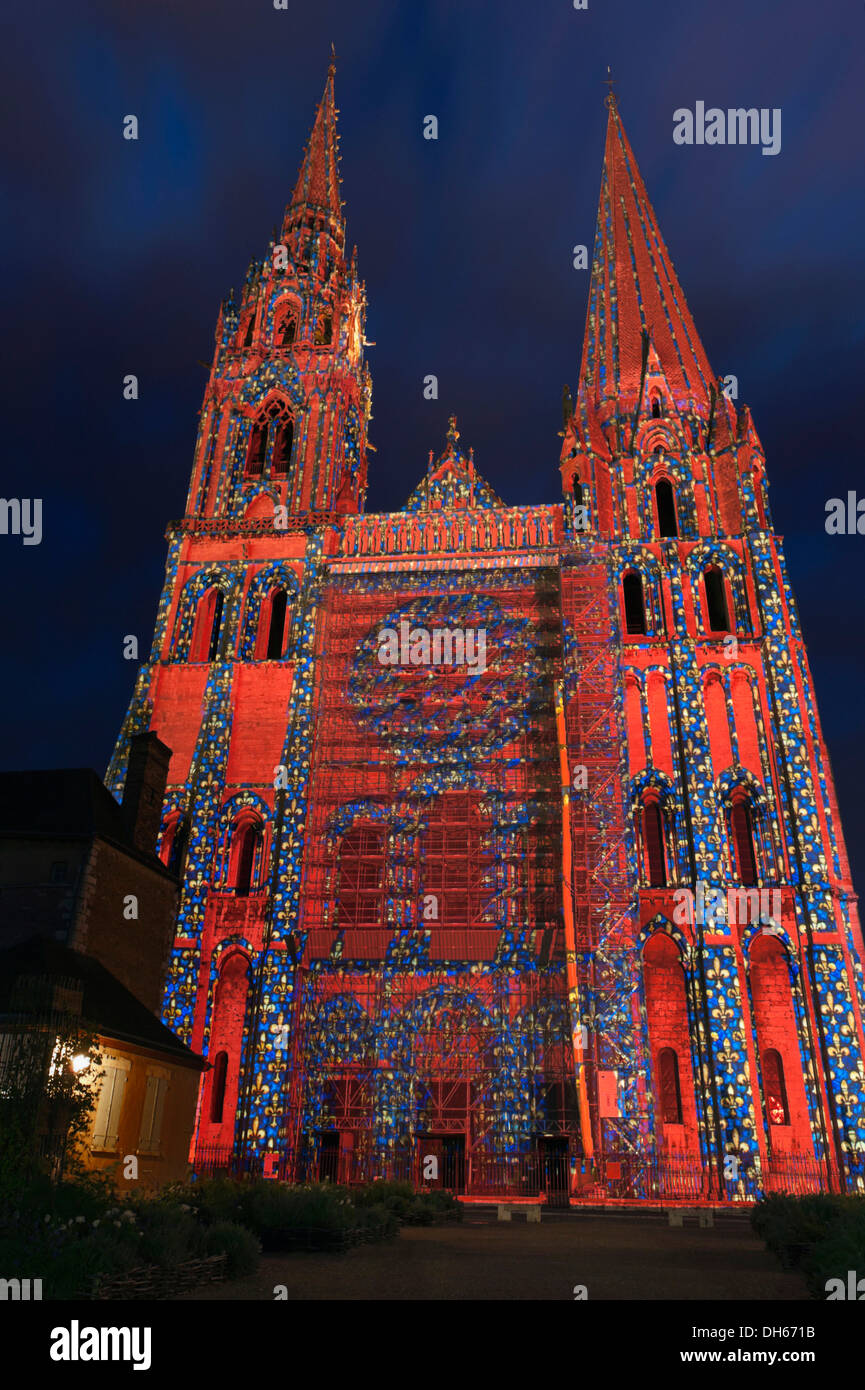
column 610, row 98
column 453, row 432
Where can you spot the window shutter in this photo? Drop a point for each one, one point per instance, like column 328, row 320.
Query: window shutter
column 151, row 1117
column 161, row 1092
column 106, row 1126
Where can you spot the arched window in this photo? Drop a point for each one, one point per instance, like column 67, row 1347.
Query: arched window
column 716, row 600
column 777, row 1044
column 657, row 407
column 244, row 849
column 324, row 331
column 274, row 425
column 276, row 625
column 669, row 1025
column 669, row 1086
column 174, row 843
column 360, row 888
column 208, row 621
column 257, row 449
column 286, row 331
column 777, row 1109
column 654, row 860
column 250, row 329
column 742, row 825
column 213, row 649
column 226, row 1036
column 578, row 491
column 666, row 501
column 635, row 610
column 282, row 445
column 168, row 837
column 217, row 1087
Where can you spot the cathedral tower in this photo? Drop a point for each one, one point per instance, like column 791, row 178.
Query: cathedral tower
column 748, row 928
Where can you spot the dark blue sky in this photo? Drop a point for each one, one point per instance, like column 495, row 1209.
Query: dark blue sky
column 118, row 253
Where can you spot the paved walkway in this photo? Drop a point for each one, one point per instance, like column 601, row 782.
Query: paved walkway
column 616, row 1257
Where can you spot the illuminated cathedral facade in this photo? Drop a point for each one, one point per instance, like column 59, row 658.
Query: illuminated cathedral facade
column 509, row 851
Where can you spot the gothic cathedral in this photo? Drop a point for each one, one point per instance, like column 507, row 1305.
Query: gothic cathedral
column 509, row 852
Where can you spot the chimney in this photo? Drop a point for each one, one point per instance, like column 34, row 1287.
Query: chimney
column 143, row 793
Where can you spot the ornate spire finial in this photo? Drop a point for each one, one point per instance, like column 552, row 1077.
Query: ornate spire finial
column 453, row 432
column 610, row 98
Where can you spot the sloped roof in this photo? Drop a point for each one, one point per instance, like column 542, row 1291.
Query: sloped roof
column 62, row 801
column 108, row 1006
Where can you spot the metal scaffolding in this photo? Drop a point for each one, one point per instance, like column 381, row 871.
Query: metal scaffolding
column 434, row 1032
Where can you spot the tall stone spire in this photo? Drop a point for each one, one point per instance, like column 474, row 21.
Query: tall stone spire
column 316, row 193
column 635, row 294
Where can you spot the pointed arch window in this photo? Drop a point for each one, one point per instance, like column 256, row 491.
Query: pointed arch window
column 775, row 1089
column 360, row 878
column 742, row 826
column 208, row 624
column 657, row 406
column 665, row 499
column 250, row 329
column 669, row 1086
column 174, row 843
column 654, row 858
column 578, row 491
column 257, row 449
column 635, row 608
column 716, row 600
column 217, row 1087
column 274, row 427
column 246, row 842
column 283, row 443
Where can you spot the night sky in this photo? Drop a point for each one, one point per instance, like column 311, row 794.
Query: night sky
column 118, row 254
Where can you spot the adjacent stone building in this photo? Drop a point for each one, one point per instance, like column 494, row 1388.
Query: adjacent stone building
column 77, row 867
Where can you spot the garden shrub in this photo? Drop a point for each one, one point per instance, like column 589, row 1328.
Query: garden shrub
column 821, row 1234
column 169, row 1234
column 240, row 1247
column 373, row 1224
column 840, row 1250
column 792, row 1225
